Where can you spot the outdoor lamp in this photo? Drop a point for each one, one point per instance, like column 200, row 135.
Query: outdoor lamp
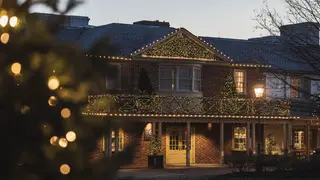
column 259, row 90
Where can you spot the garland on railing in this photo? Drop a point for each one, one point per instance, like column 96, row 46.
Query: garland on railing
column 154, row 104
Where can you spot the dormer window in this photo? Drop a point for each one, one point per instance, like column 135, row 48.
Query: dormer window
column 180, row 78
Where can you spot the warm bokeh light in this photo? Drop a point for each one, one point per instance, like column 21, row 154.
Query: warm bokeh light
column 5, row 38
column 25, row 109
column 4, row 20
column 71, row 136
column 65, row 113
column 52, row 101
column 53, row 140
column 16, row 68
column 13, row 21
column 63, row 142
column 65, row 169
column 53, row 83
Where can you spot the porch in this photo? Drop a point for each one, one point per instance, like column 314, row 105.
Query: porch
column 182, row 124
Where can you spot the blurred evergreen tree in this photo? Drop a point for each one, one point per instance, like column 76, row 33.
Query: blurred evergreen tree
column 44, row 85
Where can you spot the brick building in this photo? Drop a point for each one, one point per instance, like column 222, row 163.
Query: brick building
column 187, row 73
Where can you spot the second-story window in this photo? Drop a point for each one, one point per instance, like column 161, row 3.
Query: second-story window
column 114, row 83
column 180, row 78
column 295, row 86
column 240, row 81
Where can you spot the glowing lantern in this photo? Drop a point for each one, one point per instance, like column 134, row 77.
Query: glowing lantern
column 16, row 68
column 53, row 83
column 71, row 136
column 65, row 113
column 63, row 142
column 65, row 169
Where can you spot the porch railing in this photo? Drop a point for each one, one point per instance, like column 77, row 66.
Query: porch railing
column 154, row 104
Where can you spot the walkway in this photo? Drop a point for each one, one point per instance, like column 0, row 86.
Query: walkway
column 171, row 173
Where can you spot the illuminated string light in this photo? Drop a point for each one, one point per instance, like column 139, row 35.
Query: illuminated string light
column 63, row 142
column 54, row 140
column 16, row 68
column 65, row 169
column 13, row 21
column 65, row 113
column 53, row 83
column 71, row 136
column 5, row 38
column 4, row 20
column 52, row 101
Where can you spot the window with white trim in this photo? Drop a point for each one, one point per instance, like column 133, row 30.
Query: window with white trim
column 298, row 140
column 239, row 138
column 180, row 78
column 240, row 81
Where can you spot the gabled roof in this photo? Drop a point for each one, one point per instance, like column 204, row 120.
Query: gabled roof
column 132, row 37
column 251, row 51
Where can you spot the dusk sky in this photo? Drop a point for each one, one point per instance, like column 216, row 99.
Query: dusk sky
column 218, row 18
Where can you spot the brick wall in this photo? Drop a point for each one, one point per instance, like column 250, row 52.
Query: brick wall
column 213, row 79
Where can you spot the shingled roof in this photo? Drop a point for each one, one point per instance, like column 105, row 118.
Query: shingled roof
column 131, row 37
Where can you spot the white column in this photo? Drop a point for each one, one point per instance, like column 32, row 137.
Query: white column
column 248, row 142
column 188, row 138
column 307, row 134
column 154, row 128
column 221, row 142
column 254, row 138
column 116, row 140
column 290, row 136
column 160, row 130
column 109, row 144
column 285, row 139
column 318, row 137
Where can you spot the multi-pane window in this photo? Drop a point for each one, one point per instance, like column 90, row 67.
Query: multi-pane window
column 120, row 140
column 295, row 86
column 298, row 140
column 240, row 81
column 239, row 139
column 180, row 78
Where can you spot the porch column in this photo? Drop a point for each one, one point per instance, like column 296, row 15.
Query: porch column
column 254, row 138
column 153, row 128
column 285, row 139
column 160, row 130
column 107, row 144
column 290, row 136
column 307, row 139
column 221, row 142
column 248, row 142
column 188, row 138
column 116, row 140
column 318, row 137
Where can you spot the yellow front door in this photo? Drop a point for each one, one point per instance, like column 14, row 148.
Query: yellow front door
column 176, row 146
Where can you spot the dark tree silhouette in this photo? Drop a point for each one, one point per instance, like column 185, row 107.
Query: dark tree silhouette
column 144, row 83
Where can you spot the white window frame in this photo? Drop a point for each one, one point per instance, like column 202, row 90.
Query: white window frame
column 244, row 80
column 233, row 139
column 117, row 79
column 175, row 81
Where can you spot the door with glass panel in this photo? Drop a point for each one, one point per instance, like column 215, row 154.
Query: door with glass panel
column 176, row 146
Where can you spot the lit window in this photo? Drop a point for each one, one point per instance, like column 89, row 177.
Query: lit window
column 121, row 140
column 295, row 83
column 239, row 139
column 239, row 78
column 298, row 140
column 180, row 78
